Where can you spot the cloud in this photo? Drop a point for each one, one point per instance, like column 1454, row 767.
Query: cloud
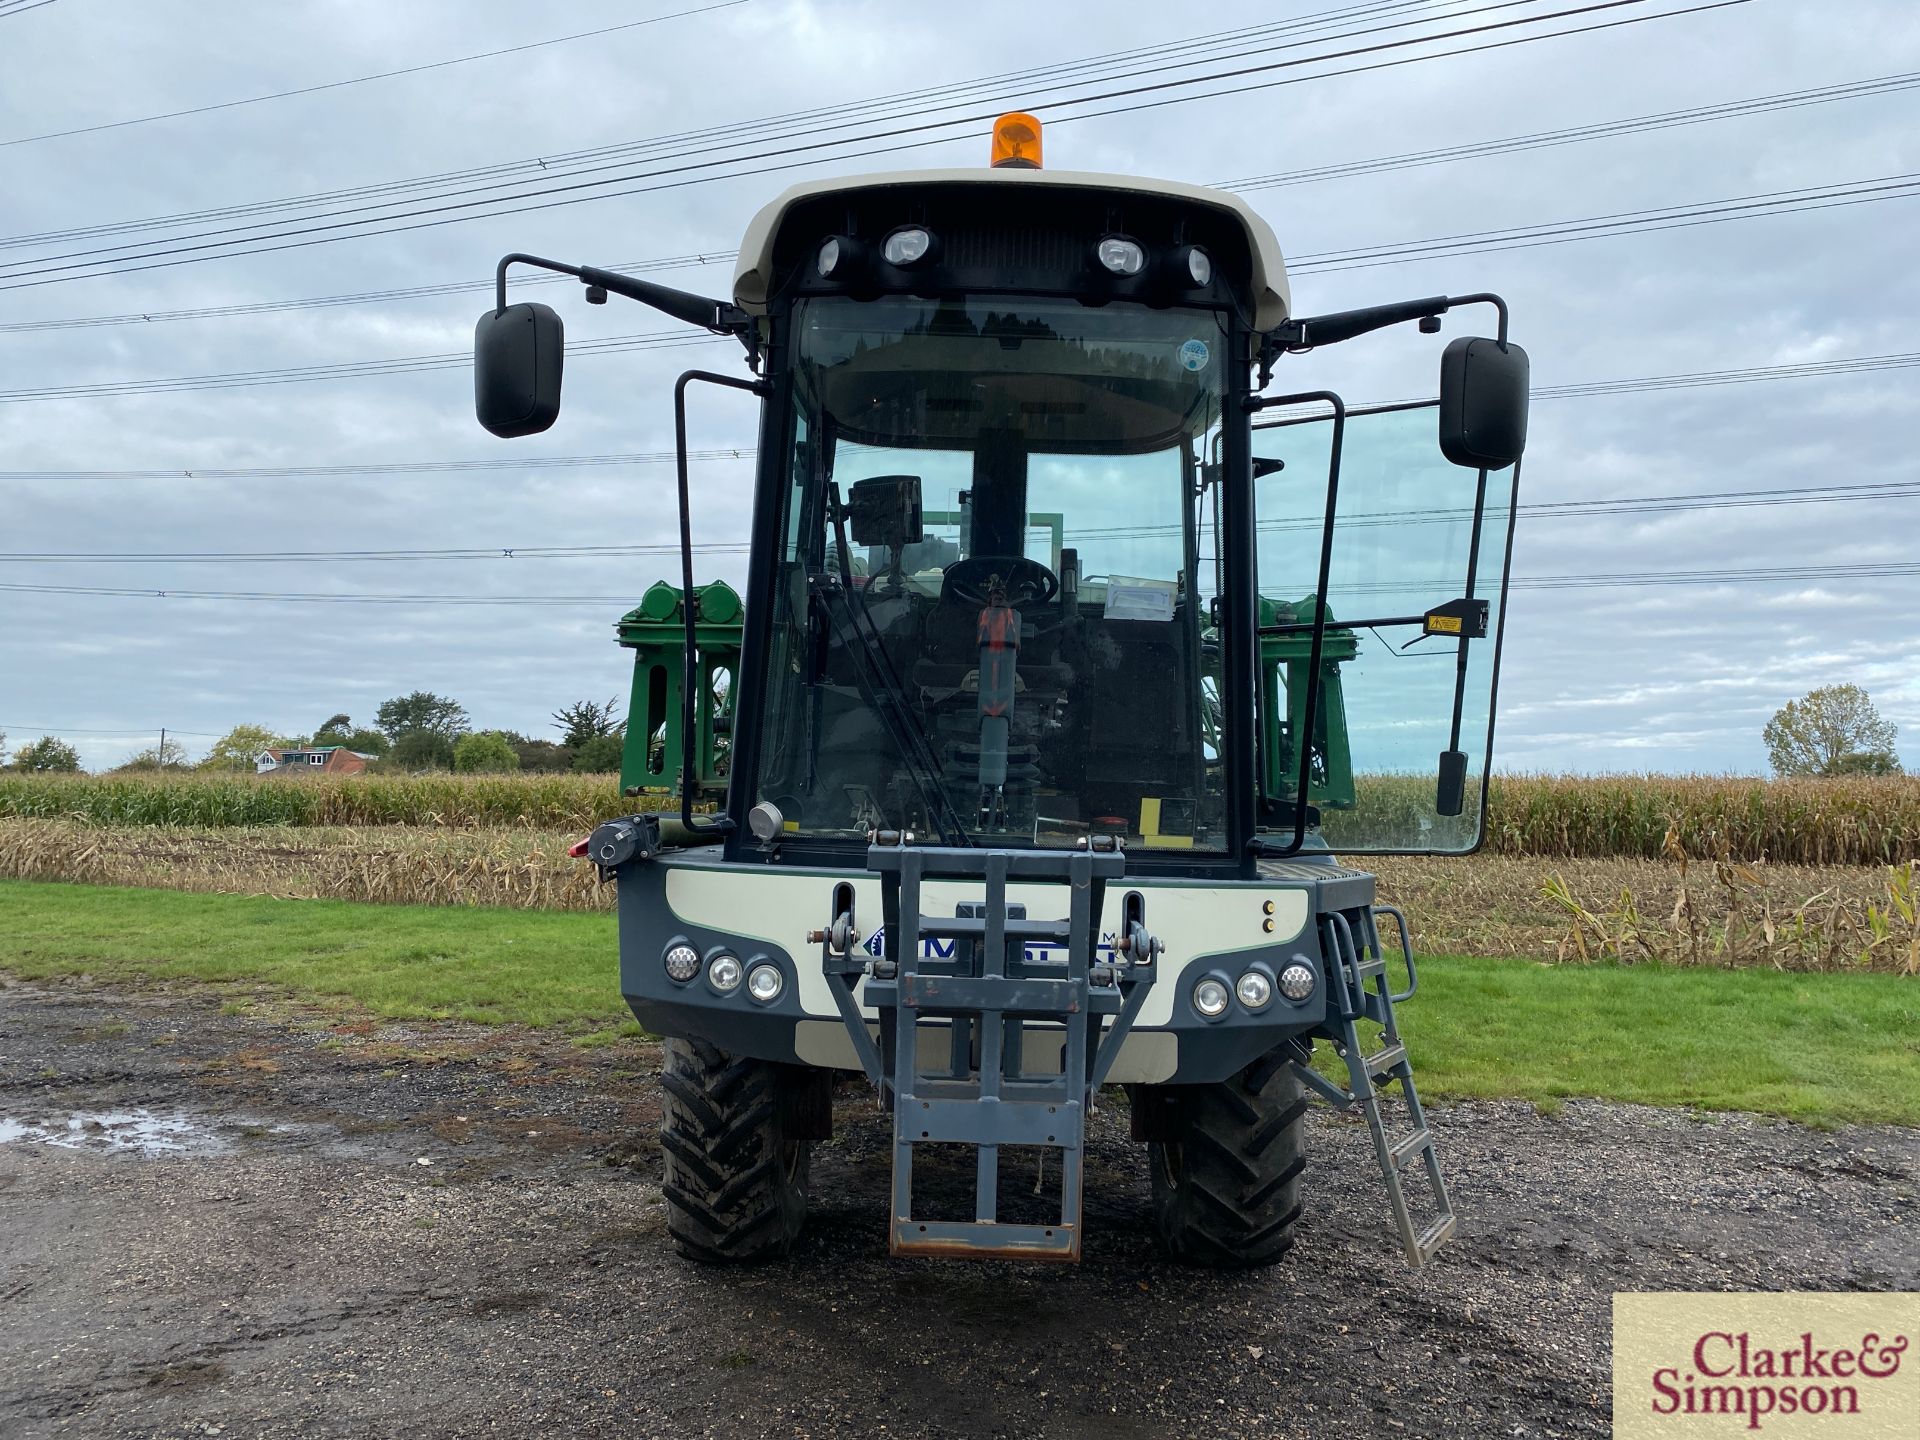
column 1611, row 678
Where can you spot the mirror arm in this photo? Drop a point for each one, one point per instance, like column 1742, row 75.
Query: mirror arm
column 1330, row 329
column 719, row 316
column 1487, row 297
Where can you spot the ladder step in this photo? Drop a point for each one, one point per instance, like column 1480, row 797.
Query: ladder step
column 1412, row 1147
column 1434, row 1236
column 1380, row 1064
column 1369, row 968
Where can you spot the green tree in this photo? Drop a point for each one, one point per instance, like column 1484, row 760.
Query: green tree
column 484, row 752
column 3, row 749
column 238, row 748
column 1868, row 762
column 334, row 730
column 1822, row 732
column 422, row 712
column 543, row 756
column 422, row 750
column 47, row 753
column 367, row 742
column 161, row 755
column 583, row 721
column 599, row 755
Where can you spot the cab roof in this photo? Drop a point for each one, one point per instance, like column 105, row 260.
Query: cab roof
column 753, row 274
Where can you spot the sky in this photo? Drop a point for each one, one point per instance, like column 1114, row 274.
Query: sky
column 1632, row 676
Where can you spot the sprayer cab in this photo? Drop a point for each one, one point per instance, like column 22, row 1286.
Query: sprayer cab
column 1056, row 608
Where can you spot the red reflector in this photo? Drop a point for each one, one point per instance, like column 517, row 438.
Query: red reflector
column 578, row 850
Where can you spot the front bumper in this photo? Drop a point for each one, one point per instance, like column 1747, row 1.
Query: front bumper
column 762, row 914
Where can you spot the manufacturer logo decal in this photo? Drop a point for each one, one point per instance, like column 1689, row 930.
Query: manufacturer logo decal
column 1787, row 1365
column 933, row 948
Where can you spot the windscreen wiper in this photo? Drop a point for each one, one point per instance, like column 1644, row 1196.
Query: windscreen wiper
column 880, row 688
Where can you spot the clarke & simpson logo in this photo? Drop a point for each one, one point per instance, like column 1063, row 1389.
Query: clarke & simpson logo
column 1785, row 1365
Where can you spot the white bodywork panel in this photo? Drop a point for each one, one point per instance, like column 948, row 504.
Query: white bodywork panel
column 1272, row 299
column 1194, row 921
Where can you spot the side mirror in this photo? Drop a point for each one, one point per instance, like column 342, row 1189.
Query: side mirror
column 516, row 369
column 1483, row 403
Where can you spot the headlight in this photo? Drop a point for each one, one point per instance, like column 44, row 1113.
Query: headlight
column 907, row 247
column 1121, row 256
column 682, row 962
column 723, row 973
column 764, row 983
column 827, row 262
column 1199, row 266
column 1210, row 998
column 1296, row 982
column 1254, row 990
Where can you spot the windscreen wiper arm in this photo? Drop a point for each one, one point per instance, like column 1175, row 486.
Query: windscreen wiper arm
column 884, row 699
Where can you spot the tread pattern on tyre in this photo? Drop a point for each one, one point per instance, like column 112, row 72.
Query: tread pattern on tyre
column 732, row 1196
column 1228, row 1193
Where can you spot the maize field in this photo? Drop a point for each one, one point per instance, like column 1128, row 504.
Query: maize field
column 1847, row 821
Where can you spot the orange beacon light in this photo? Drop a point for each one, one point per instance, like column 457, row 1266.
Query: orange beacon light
column 1016, row 142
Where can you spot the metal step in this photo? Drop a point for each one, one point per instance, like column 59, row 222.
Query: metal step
column 1410, row 1148
column 1381, row 1061
column 1434, row 1236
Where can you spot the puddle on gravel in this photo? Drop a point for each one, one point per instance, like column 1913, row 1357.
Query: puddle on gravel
column 147, row 1133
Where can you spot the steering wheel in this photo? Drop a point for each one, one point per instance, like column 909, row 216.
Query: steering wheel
column 1024, row 581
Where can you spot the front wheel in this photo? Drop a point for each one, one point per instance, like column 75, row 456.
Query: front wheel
column 1226, row 1193
column 736, row 1170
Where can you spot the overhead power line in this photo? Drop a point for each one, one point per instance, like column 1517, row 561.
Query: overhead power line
column 1733, row 109
column 343, row 370
column 362, row 79
column 1579, row 134
column 1626, row 222
column 20, row 7
column 171, row 253
column 848, row 115
column 1805, row 370
column 1852, row 570
column 1544, row 510
column 1708, row 212
column 318, row 302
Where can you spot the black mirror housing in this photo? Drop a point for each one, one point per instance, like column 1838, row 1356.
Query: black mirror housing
column 1483, row 403
column 517, row 356
column 885, row 510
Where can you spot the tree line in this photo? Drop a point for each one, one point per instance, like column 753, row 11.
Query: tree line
column 409, row 733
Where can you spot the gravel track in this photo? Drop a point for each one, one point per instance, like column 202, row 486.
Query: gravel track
column 219, row 1223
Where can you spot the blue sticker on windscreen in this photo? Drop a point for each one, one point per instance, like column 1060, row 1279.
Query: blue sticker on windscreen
column 1194, row 355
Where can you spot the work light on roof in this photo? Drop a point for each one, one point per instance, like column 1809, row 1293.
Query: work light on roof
column 907, row 246
column 1121, row 255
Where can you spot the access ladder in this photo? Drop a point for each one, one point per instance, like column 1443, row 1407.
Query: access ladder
column 1357, row 969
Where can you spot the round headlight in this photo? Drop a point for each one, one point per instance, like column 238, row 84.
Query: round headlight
column 828, row 260
column 1121, row 256
column 1199, row 266
column 1254, row 989
column 682, row 962
column 1296, row 982
column 764, row 983
column 1210, row 998
column 907, row 247
column 723, row 973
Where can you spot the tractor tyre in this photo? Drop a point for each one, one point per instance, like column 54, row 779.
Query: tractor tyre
column 1226, row 1194
column 736, row 1171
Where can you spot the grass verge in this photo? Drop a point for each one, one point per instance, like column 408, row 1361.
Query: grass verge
column 1819, row 1048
